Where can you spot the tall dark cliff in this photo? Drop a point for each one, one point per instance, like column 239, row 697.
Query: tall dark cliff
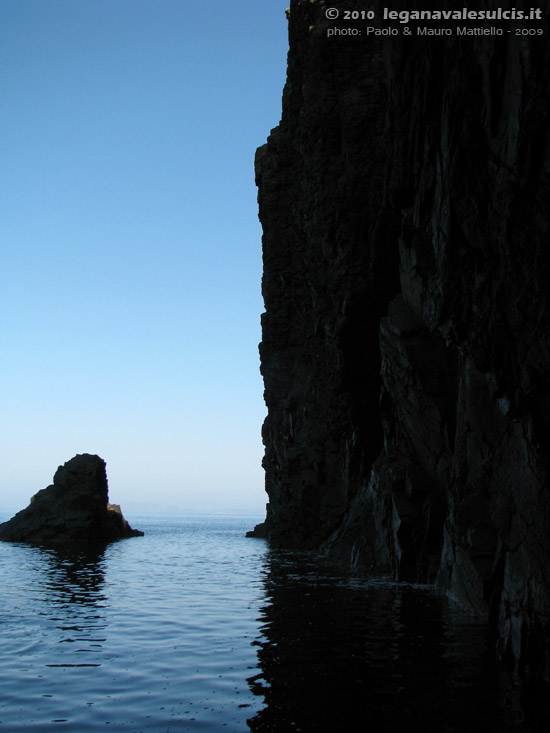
column 405, row 352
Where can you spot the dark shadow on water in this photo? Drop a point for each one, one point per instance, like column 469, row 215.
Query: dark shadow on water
column 346, row 653
column 73, row 575
column 69, row 594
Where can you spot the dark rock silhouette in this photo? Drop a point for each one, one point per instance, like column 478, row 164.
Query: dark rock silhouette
column 405, row 348
column 259, row 531
column 73, row 510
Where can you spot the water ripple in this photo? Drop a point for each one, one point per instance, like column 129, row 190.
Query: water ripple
column 196, row 628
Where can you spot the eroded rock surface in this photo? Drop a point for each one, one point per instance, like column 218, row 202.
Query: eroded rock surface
column 405, row 348
column 75, row 509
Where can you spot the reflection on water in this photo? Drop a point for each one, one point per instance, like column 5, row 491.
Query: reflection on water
column 341, row 653
column 59, row 595
column 52, row 620
column 71, row 590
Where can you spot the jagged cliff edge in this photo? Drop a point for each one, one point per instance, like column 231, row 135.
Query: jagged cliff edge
column 405, row 348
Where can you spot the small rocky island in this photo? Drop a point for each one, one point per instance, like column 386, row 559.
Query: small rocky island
column 74, row 510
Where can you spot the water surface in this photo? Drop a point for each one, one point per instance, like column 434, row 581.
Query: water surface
column 153, row 633
column 196, row 628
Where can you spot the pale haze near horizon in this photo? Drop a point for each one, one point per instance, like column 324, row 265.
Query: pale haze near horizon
column 130, row 246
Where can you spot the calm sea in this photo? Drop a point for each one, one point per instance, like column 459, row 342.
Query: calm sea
column 196, row 628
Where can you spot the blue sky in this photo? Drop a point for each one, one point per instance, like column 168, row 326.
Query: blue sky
column 130, row 246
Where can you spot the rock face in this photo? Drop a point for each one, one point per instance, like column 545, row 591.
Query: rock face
column 73, row 510
column 405, row 348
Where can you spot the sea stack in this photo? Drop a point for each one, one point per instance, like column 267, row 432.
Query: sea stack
column 74, row 510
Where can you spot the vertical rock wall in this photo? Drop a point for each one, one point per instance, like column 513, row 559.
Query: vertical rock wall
column 406, row 349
